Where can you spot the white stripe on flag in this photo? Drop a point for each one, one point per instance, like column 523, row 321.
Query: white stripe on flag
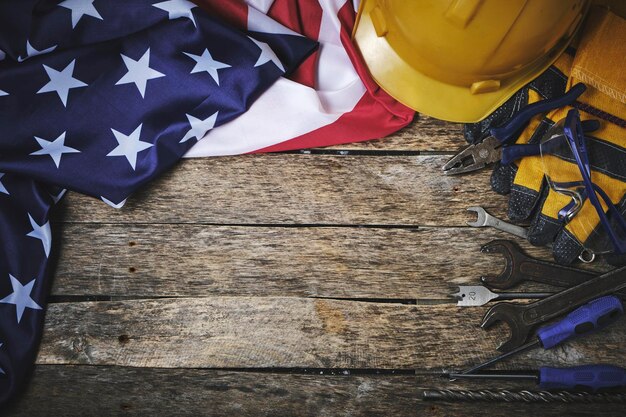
column 289, row 109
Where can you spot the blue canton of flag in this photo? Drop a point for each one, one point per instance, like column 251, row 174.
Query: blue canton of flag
column 100, row 97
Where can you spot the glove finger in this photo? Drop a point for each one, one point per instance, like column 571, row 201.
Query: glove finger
column 566, row 248
column 524, row 201
column 546, row 226
column 476, row 132
column 588, row 234
column 618, row 259
column 503, row 176
column 568, row 243
column 615, row 259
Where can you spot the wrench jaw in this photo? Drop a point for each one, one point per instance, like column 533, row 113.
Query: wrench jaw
column 507, row 313
column 481, row 219
column 507, row 278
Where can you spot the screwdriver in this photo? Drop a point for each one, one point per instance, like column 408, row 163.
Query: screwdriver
column 590, row 378
column 588, row 318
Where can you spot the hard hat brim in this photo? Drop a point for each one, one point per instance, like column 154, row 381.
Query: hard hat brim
column 430, row 96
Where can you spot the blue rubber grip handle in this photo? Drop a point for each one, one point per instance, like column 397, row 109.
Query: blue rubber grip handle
column 588, row 318
column 585, row 378
column 507, row 132
column 512, row 153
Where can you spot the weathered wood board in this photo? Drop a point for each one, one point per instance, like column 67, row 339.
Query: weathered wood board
column 307, row 284
column 301, row 189
column 339, row 262
column 121, row 391
column 271, row 332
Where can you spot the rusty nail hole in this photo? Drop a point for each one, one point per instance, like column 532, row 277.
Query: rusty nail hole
column 132, row 243
column 123, row 339
column 456, row 189
column 132, row 269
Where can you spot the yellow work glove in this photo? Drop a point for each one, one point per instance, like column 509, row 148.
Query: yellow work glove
column 598, row 63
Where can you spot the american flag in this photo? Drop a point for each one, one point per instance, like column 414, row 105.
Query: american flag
column 99, row 97
column 330, row 99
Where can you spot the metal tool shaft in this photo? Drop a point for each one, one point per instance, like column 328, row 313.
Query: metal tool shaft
column 523, row 348
column 522, row 396
column 504, row 376
column 478, row 295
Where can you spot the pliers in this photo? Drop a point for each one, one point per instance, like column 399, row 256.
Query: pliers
column 492, row 149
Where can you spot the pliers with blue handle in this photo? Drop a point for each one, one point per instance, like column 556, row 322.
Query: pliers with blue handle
column 491, row 149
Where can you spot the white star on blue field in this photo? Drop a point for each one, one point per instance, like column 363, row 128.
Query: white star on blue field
column 139, row 72
column 177, row 9
column 20, row 297
column 61, row 82
column 55, row 149
column 79, row 9
column 31, row 52
column 199, row 127
column 205, row 62
column 129, row 145
column 267, row 55
column 41, row 232
column 2, row 187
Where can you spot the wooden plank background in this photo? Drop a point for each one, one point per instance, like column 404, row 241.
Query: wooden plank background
column 307, row 283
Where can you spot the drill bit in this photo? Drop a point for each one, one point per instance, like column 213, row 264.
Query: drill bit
column 522, row 396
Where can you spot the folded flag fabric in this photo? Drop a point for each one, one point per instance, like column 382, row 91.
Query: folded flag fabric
column 100, row 97
column 330, row 99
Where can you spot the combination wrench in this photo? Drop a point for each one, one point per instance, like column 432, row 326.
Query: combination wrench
column 487, row 220
column 521, row 318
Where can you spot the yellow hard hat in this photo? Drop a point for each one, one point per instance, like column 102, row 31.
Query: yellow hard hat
column 459, row 60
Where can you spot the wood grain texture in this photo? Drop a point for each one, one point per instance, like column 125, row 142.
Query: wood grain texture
column 342, row 262
column 261, row 332
column 108, row 391
column 259, row 265
column 424, row 134
column 300, row 189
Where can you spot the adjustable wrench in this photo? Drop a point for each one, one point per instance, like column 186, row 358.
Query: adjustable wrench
column 485, row 219
column 521, row 318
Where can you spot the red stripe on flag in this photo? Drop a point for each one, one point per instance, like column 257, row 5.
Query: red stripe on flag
column 376, row 115
column 303, row 17
column 350, row 127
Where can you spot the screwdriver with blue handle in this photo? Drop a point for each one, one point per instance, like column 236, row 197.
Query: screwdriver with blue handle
column 586, row 319
column 591, row 378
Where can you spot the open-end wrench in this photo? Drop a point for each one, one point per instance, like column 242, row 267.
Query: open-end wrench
column 521, row 267
column 521, row 318
column 485, row 219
